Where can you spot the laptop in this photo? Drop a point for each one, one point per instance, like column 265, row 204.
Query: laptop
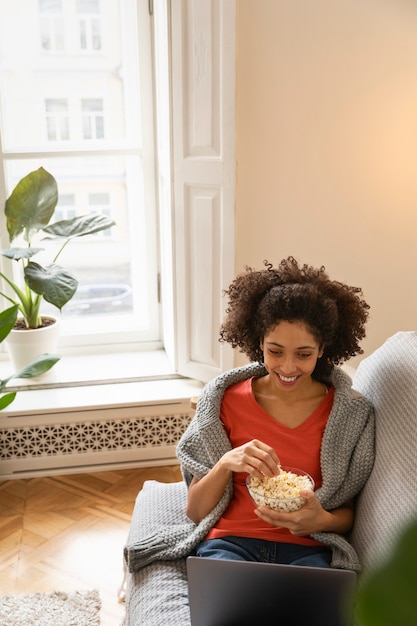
column 235, row 593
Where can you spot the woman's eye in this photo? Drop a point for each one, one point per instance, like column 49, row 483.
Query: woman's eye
column 304, row 355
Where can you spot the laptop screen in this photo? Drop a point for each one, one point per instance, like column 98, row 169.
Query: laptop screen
column 236, row 593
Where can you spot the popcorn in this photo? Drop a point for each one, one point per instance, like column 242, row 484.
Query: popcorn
column 281, row 492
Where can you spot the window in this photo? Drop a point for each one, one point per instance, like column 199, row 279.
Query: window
column 89, row 24
column 53, row 99
column 93, row 118
column 70, row 25
column 78, row 99
column 57, row 122
column 52, row 36
column 100, row 203
column 66, row 208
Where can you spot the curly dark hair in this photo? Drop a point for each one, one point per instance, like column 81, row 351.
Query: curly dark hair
column 334, row 313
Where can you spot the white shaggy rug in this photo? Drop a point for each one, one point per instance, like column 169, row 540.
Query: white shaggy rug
column 80, row 608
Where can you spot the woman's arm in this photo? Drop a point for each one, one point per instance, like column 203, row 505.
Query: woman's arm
column 254, row 457
column 204, row 493
column 311, row 518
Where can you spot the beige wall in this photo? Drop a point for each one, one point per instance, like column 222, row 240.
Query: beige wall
column 327, row 145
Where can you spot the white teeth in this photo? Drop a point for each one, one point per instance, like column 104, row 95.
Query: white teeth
column 286, row 379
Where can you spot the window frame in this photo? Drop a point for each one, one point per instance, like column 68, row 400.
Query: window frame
column 82, row 335
column 182, row 290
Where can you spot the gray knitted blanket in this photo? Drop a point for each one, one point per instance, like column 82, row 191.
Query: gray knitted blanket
column 347, row 457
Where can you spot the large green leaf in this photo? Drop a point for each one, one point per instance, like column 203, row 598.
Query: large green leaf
column 389, row 596
column 39, row 366
column 7, row 321
column 79, row 226
column 20, row 253
column 7, row 399
column 31, row 204
column 54, row 283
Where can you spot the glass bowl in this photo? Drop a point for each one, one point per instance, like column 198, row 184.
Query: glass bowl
column 281, row 492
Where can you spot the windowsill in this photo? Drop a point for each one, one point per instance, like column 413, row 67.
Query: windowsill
column 97, row 381
column 96, row 368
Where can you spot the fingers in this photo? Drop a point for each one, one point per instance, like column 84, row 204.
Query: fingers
column 262, row 460
column 281, row 520
column 300, row 523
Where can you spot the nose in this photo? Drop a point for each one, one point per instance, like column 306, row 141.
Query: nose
column 287, row 365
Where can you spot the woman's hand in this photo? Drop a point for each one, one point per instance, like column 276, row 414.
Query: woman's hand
column 311, row 518
column 254, row 457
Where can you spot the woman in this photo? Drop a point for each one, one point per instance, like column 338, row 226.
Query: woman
column 292, row 406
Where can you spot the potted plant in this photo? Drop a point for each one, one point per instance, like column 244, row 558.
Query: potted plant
column 39, row 366
column 28, row 211
column 388, row 595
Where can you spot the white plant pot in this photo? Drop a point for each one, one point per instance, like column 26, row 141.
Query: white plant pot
column 23, row 346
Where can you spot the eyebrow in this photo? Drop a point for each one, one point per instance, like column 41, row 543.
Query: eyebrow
column 274, row 343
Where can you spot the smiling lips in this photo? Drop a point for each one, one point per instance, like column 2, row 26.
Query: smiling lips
column 287, row 379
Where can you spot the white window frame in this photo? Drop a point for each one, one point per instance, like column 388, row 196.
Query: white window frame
column 52, row 24
column 93, row 118
column 196, row 173
column 69, row 28
column 60, row 121
column 202, row 37
column 85, row 332
column 88, row 22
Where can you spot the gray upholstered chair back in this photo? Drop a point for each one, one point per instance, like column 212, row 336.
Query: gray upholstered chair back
column 388, row 377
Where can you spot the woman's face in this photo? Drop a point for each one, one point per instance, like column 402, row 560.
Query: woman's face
column 290, row 354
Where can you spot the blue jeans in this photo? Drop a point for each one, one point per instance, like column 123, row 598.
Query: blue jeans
column 248, row 549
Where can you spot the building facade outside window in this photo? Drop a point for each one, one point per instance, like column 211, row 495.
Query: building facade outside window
column 93, row 118
column 53, row 102
column 57, row 121
column 70, row 25
column 130, row 105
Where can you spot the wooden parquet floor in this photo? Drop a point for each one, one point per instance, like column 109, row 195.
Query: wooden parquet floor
column 67, row 532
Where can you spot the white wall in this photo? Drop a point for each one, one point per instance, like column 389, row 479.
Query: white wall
column 326, row 146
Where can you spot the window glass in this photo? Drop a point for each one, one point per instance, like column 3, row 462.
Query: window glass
column 89, row 24
column 88, row 6
column 50, row 6
column 53, row 103
column 66, row 207
column 57, row 121
column 51, row 25
column 93, row 118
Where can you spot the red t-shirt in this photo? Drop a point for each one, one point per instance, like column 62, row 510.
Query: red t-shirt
column 244, row 419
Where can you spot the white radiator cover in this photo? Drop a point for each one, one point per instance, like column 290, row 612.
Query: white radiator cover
column 74, row 441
